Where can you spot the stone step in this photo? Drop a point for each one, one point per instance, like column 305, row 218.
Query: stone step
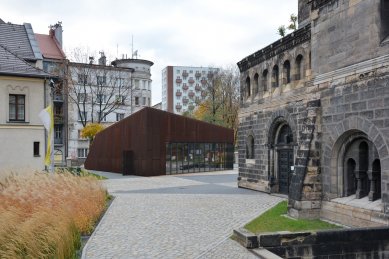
column 264, row 253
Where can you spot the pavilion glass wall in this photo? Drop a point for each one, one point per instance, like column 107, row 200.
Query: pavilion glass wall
column 184, row 158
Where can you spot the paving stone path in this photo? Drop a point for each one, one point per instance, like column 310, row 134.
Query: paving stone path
column 181, row 216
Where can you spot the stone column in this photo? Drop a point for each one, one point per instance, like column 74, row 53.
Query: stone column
column 360, row 192
column 373, row 176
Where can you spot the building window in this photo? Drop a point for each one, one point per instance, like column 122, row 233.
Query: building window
column 136, row 100
column 101, row 98
column 286, row 72
column 264, row 80
column 82, row 152
column 148, row 101
column 385, row 20
column 57, row 133
column 80, row 135
column 119, row 116
column 101, row 116
column 120, row 81
column 144, row 101
column 136, row 83
column 82, row 79
column 36, row 149
column 248, row 87
column 299, row 67
column 17, row 107
column 120, row 99
column 81, row 97
column 275, row 77
column 101, row 80
column 82, row 116
column 250, row 147
column 256, row 84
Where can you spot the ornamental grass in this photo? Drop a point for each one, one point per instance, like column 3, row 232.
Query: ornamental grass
column 42, row 215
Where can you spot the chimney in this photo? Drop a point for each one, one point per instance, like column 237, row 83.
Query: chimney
column 56, row 31
column 102, row 59
column 91, row 59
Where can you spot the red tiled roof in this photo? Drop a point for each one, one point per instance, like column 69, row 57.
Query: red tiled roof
column 49, row 46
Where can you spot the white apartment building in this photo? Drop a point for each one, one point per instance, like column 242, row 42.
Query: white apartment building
column 113, row 93
column 183, row 87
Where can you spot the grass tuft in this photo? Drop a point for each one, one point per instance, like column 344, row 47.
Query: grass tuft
column 275, row 220
column 42, row 215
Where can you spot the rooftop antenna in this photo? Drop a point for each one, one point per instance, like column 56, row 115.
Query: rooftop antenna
column 132, row 46
column 133, row 53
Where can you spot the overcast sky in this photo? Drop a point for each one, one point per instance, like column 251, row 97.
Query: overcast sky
column 170, row 32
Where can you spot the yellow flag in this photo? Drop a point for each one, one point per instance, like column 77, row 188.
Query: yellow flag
column 47, row 117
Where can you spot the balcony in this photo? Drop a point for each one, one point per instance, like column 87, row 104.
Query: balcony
column 185, row 87
column 198, row 74
column 178, row 107
column 203, row 93
column 58, row 119
column 178, row 80
column 203, row 81
column 198, row 88
column 191, row 94
column 191, row 107
column 210, row 75
column 178, row 94
column 191, row 81
column 185, row 100
column 184, row 74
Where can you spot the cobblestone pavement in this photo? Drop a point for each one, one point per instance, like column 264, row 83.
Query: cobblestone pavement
column 180, row 216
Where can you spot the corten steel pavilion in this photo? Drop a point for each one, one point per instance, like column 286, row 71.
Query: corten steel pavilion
column 153, row 142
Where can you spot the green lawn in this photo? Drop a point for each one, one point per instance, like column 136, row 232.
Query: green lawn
column 274, row 220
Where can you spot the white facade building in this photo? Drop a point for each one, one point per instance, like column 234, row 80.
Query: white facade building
column 183, row 87
column 104, row 102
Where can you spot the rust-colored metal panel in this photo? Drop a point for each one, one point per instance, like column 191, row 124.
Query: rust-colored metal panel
column 144, row 135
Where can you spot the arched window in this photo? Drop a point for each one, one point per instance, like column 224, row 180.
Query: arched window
column 264, row 80
column 250, row 147
column 285, row 135
column 299, row 67
column 375, row 189
column 349, row 178
column 248, row 87
column 286, row 72
column 275, row 76
column 384, row 20
column 256, row 84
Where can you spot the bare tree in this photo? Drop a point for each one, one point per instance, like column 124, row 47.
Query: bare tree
column 221, row 103
column 97, row 88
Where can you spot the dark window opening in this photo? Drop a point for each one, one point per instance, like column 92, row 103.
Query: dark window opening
column 36, row 149
column 248, row 87
column 286, row 72
column 16, row 107
column 275, row 76
column 299, row 67
column 264, row 80
column 285, row 135
column 250, row 147
column 385, row 20
column 256, row 84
